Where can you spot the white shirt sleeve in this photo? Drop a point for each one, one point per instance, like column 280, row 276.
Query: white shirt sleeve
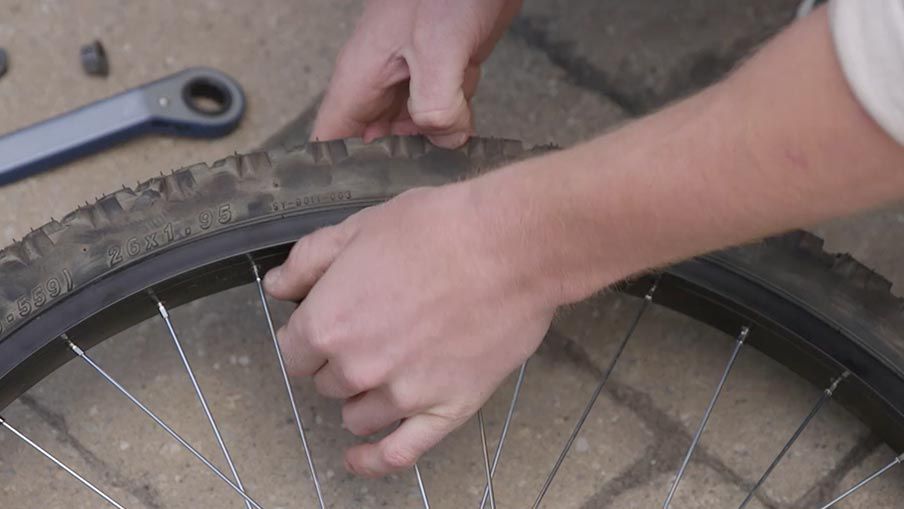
column 869, row 39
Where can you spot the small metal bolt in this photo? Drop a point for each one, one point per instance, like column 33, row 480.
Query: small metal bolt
column 163, row 102
column 4, row 62
column 94, row 59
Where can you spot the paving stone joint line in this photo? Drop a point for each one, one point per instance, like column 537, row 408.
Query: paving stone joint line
column 142, row 491
column 671, row 440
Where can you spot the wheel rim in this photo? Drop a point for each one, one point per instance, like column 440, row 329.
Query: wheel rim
column 174, row 283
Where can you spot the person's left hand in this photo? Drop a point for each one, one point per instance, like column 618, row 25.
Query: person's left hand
column 413, row 311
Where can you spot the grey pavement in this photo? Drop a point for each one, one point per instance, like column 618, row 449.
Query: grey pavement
column 566, row 71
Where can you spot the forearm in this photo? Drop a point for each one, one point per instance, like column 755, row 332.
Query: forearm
column 780, row 144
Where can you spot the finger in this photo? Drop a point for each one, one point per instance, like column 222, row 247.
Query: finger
column 370, row 412
column 384, row 125
column 471, row 80
column 330, row 382
column 361, row 91
column 344, row 111
column 376, row 130
column 301, row 360
column 437, row 102
column 404, row 127
column 310, row 257
column 401, row 449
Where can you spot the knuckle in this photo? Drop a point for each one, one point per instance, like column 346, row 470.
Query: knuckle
column 436, row 120
column 298, row 254
column 296, row 328
column 355, row 427
column 398, row 457
column 302, row 327
column 402, row 399
column 320, row 341
column 357, row 380
column 323, row 240
column 335, row 236
column 285, row 339
column 329, row 388
column 359, row 430
column 459, row 412
column 350, row 420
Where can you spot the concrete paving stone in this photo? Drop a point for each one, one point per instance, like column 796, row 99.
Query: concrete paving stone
column 522, row 95
column 281, row 51
column 883, row 492
column 649, row 52
column 677, row 363
column 701, row 488
column 46, row 485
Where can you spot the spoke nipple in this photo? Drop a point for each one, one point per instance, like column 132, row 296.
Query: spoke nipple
column 649, row 295
column 72, row 346
column 745, row 330
column 835, row 383
column 163, row 312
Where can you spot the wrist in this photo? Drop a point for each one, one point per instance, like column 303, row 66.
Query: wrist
column 572, row 222
column 523, row 215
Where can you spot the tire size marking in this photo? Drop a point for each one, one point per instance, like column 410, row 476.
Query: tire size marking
column 36, row 298
column 139, row 245
column 311, row 199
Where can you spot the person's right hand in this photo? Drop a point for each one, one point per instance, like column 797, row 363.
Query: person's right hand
column 411, row 67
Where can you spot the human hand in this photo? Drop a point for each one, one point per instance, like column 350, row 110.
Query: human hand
column 411, row 67
column 413, row 311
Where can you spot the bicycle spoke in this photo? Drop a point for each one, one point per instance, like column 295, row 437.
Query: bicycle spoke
column 299, row 424
column 486, row 459
column 420, row 485
column 648, row 298
column 505, row 428
column 739, row 342
column 60, row 464
column 200, row 394
column 84, row 356
column 879, row 473
column 826, row 396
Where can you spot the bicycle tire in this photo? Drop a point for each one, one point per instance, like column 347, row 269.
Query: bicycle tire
column 187, row 234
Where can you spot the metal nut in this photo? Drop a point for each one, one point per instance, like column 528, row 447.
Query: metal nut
column 4, row 62
column 94, row 59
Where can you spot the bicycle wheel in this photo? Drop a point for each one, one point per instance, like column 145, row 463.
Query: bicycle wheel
column 140, row 253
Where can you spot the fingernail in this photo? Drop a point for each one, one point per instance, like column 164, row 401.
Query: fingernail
column 453, row 140
column 272, row 276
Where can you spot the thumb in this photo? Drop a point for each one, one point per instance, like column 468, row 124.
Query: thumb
column 401, row 449
column 309, row 259
column 437, row 104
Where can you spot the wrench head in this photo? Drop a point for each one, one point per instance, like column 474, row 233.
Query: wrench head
column 197, row 102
